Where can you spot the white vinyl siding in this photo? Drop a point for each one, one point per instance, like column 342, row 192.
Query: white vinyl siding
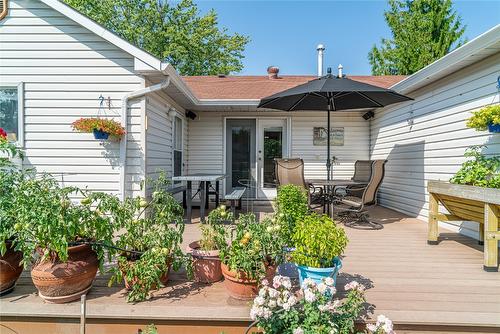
column 432, row 147
column 205, row 146
column 65, row 68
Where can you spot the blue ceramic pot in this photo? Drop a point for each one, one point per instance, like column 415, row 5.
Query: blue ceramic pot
column 317, row 274
column 494, row 128
column 98, row 134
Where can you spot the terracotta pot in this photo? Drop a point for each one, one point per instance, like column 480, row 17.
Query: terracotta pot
column 135, row 280
column 61, row 282
column 206, row 264
column 239, row 286
column 10, row 269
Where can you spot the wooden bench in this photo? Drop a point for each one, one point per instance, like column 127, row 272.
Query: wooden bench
column 234, row 196
column 467, row 203
column 178, row 188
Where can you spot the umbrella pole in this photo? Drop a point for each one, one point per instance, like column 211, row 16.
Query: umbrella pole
column 328, row 160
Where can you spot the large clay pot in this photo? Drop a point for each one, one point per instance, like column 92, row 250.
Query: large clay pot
column 206, row 264
column 62, row 282
column 239, row 286
column 10, row 269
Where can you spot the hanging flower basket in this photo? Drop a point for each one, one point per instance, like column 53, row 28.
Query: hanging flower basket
column 495, row 128
column 102, row 128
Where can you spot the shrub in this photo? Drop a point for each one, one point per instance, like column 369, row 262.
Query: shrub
column 478, row 171
column 88, row 125
column 213, row 234
column 292, row 207
column 482, row 118
column 318, row 240
column 278, row 310
column 253, row 246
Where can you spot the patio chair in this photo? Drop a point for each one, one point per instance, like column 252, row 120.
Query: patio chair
column 362, row 171
column 291, row 171
column 352, row 202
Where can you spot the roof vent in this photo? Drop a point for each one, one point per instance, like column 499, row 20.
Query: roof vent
column 272, row 72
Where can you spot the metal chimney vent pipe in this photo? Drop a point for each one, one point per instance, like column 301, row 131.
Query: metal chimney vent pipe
column 320, row 48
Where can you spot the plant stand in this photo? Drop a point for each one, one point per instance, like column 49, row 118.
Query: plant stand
column 469, row 203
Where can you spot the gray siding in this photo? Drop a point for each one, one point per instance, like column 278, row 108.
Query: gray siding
column 432, row 147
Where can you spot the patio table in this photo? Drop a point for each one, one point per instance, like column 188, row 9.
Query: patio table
column 330, row 185
column 205, row 181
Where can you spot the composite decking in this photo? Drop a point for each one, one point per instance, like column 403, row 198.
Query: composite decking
column 421, row 287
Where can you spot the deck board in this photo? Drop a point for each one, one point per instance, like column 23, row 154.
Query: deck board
column 409, row 281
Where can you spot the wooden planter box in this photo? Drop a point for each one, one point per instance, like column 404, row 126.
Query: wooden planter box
column 469, row 203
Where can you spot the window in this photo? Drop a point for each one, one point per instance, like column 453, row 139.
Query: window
column 177, row 145
column 11, row 111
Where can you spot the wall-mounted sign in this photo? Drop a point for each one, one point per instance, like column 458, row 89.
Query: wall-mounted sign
column 320, row 135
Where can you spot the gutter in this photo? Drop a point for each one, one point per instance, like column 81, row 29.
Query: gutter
column 124, row 121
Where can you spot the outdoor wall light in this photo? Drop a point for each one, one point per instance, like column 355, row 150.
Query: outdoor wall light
column 191, row 115
column 368, row 115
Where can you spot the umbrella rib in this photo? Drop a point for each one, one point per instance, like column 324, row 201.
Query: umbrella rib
column 370, row 99
column 300, row 100
column 319, row 95
column 268, row 102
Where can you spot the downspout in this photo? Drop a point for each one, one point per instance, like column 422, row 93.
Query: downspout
column 123, row 142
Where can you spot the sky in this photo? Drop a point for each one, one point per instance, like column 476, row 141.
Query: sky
column 286, row 33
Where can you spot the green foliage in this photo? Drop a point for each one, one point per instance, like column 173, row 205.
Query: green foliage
column 253, row 246
column 214, row 234
column 151, row 329
column 279, row 310
column 151, row 236
column 8, row 151
column 482, row 118
column 172, row 31
column 318, row 240
column 48, row 221
column 422, row 32
column 291, row 207
column 480, row 170
column 9, row 183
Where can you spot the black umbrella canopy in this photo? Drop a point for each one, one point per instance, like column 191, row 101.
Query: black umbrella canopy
column 341, row 92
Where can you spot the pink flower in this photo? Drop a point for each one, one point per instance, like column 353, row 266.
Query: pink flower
column 354, row 286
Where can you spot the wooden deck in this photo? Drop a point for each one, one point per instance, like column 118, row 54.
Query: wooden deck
column 421, row 287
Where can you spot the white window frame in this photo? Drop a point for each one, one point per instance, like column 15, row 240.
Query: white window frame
column 174, row 142
column 20, row 111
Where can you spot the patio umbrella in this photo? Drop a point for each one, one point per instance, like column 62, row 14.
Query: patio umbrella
column 332, row 93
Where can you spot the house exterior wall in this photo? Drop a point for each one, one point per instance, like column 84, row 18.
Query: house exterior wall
column 206, row 141
column 159, row 135
column 432, row 147
column 65, row 68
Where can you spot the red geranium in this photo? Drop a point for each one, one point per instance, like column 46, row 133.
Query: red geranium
column 3, row 134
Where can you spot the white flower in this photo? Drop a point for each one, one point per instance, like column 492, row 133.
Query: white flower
column 298, row 330
column 273, row 293
column 286, row 306
column 322, row 288
column 322, row 308
column 277, row 282
column 308, row 282
column 287, row 283
column 259, row 301
column 272, row 303
column 263, row 292
column 264, row 282
column 255, row 312
column 372, row 328
column 328, row 281
column 332, row 290
column 309, row 296
column 266, row 313
column 354, row 286
column 292, row 300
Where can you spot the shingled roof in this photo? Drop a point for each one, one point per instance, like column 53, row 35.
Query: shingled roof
column 257, row 87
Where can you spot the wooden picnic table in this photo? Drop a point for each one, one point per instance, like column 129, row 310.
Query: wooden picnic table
column 205, row 181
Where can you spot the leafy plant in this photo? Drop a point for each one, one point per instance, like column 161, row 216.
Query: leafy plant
column 279, row 310
column 151, row 238
column 9, row 227
column 214, row 234
column 8, row 150
column 318, row 240
column 253, row 246
column 109, row 126
column 46, row 220
column 480, row 170
column 483, row 117
column 291, row 207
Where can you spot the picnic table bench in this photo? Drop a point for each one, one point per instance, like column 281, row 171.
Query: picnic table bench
column 235, row 196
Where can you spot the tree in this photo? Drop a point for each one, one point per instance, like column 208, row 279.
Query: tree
column 173, row 32
column 422, row 32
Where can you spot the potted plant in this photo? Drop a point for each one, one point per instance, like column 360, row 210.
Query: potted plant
column 487, row 118
column 205, row 252
column 278, row 309
column 102, row 128
column 319, row 242
column 10, row 258
column 479, row 170
column 62, row 238
column 252, row 254
column 150, row 243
